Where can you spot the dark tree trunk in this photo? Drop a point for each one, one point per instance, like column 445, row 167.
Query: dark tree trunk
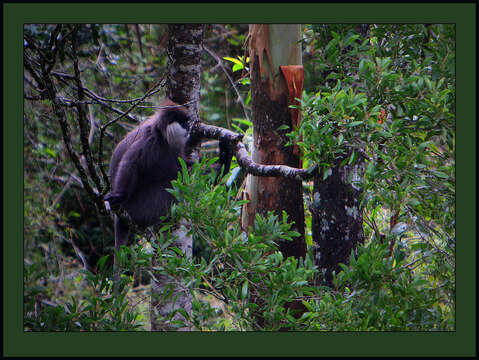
column 183, row 87
column 184, row 81
column 337, row 220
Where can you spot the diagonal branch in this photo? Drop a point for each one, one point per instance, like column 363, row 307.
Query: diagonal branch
column 220, row 63
column 244, row 160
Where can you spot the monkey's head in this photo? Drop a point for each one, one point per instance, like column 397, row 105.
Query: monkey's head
column 177, row 131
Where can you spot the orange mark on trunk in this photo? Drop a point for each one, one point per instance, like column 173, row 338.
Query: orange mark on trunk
column 294, row 77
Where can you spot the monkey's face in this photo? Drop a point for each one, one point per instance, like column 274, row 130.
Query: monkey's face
column 176, row 132
column 176, row 136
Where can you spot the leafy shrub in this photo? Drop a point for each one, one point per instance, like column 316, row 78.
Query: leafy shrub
column 378, row 292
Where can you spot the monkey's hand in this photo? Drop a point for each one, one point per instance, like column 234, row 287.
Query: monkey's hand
column 224, row 163
column 114, row 199
column 226, row 153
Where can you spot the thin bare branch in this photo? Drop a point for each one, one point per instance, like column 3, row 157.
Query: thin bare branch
column 221, row 64
column 82, row 115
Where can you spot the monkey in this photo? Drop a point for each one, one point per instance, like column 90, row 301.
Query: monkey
column 144, row 164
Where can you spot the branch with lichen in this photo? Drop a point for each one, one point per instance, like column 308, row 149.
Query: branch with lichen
column 201, row 130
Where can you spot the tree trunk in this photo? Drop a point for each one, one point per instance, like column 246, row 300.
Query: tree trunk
column 184, row 48
column 169, row 293
column 337, row 220
column 184, row 80
column 272, row 47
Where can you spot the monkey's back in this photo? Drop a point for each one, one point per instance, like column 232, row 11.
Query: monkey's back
column 153, row 168
column 149, row 205
column 149, row 200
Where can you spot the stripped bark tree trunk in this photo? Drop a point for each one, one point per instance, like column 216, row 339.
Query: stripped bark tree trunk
column 275, row 63
column 183, row 87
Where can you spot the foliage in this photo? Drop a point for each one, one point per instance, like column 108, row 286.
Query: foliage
column 240, row 268
column 97, row 307
column 391, row 112
column 377, row 292
column 220, row 88
column 392, row 107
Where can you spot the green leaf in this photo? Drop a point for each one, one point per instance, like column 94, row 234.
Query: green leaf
column 362, row 64
column 244, row 290
column 353, row 157
column 233, row 60
column 354, row 123
column 50, row 152
column 333, row 75
column 102, row 261
column 429, row 83
column 440, row 174
column 413, row 202
column 350, row 40
column 237, row 67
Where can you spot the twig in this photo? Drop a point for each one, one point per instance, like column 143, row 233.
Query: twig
column 59, row 196
column 220, row 63
column 82, row 116
column 79, row 254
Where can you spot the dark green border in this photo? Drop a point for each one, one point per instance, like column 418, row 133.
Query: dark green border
column 17, row 343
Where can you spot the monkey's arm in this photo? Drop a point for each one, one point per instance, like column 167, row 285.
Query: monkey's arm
column 225, row 156
column 124, row 181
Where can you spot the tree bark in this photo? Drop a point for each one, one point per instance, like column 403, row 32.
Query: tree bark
column 183, row 87
column 337, row 220
column 184, row 80
column 272, row 46
column 169, row 293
